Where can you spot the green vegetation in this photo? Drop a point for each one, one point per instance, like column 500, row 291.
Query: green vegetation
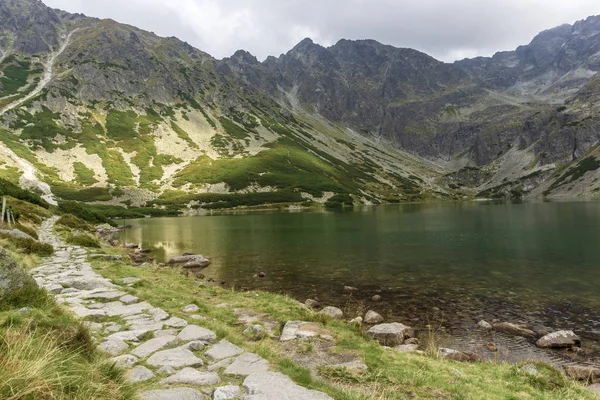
column 232, row 129
column 27, row 246
column 84, row 175
column 72, row 222
column 581, row 168
column 82, row 239
column 341, row 200
column 85, row 195
column 42, row 127
column 10, row 189
column 15, row 75
column 183, row 135
column 84, row 212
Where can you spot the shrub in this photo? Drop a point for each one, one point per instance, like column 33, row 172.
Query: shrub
column 84, row 212
column 10, row 189
column 71, row 221
column 82, row 239
column 29, row 246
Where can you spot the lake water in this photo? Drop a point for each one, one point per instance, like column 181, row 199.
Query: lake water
column 438, row 264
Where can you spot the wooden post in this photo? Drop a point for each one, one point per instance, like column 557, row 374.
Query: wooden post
column 3, row 210
column 8, row 218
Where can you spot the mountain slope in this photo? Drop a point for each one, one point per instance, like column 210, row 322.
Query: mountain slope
column 102, row 112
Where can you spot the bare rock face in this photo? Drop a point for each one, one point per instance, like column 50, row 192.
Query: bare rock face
column 392, row 334
column 584, row 373
column 13, row 278
column 560, row 339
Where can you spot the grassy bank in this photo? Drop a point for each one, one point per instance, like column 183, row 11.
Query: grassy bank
column 391, row 375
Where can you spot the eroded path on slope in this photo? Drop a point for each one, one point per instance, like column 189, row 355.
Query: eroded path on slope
column 177, row 359
column 29, row 178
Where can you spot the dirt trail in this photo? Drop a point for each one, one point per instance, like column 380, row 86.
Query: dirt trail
column 29, row 178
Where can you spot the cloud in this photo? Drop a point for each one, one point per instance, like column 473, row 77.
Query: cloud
column 445, row 29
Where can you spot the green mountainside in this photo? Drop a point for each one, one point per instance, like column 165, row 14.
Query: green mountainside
column 96, row 111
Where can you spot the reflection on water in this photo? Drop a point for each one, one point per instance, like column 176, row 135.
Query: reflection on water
column 443, row 262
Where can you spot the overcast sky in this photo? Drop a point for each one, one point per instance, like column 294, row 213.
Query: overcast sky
column 445, row 29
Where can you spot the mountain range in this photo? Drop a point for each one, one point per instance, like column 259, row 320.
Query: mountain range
column 101, row 112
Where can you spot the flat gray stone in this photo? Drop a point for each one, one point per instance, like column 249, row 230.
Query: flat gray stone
column 124, row 310
column 107, row 295
column 175, row 322
column 191, row 308
column 84, row 312
column 129, row 299
column 392, row 334
column 190, row 376
column 172, row 332
column 302, row 330
column 129, row 336
column 227, row 393
column 176, row 358
column 196, row 345
column 154, row 345
column 332, row 312
column 114, row 347
column 173, row 394
column 125, row 361
column 130, row 281
column 595, row 389
column 166, row 370
column 139, row 374
column 272, row 385
column 158, row 314
column 194, row 332
column 223, row 349
column 155, row 326
column 559, row 339
column 247, row 364
column 220, row 364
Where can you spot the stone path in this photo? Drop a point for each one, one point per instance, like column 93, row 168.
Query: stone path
column 180, row 359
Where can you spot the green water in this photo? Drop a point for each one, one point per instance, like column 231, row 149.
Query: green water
column 443, row 262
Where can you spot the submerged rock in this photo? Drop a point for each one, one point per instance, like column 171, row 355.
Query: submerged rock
column 371, row 317
column 485, row 325
column 513, row 329
column 312, row 303
column 560, row 339
column 461, row 356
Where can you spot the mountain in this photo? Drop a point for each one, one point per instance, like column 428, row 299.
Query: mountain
column 102, row 112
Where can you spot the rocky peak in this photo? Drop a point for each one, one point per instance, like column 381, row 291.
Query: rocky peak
column 31, row 24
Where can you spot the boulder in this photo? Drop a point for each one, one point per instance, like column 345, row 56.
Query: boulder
column 191, row 308
column 312, row 303
column 255, row 332
column 371, row 317
column 332, row 312
column 586, row 373
column 513, row 329
column 455, row 355
column 407, row 348
column 301, row 330
column 227, row 393
column 246, row 364
column 560, row 339
column 485, row 325
column 392, row 334
column 191, row 261
column 376, row 299
column 12, row 277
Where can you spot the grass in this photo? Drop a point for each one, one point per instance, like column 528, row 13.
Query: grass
column 66, row 192
column 26, row 246
column 15, row 75
column 391, row 375
column 183, row 135
column 84, row 176
column 84, row 212
column 47, row 354
column 575, row 172
column 82, row 239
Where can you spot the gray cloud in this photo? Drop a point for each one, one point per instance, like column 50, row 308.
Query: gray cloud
column 445, row 29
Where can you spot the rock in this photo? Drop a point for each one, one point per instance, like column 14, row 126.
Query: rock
column 271, row 385
column 456, row 355
column 198, row 317
column 407, row 348
column 220, row 364
column 173, row 394
column 166, row 370
column 139, row 374
column 92, row 326
column 125, row 361
column 484, row 325
column 301, row 330
column 412, row 341
column 262, row 275
column 512, row 329
column 130, row 281
column 223, row 349
column 332, row 312
column 176, row 358
column 255, row 332
column 191, row 308
column 194, row 332
column 247, row 364
column 182, row 259
column 350, row 289
column 171, row 332
column 530, row 369
column 153, row 345
column 227, row 393
column 13, row 278
column 492, row 347
column 158, row 314
column 129, row 299
column 190, row 376
column 312, row 303
column 392, row 334
column 583, row 373
column 17, row 234
column 371, row 317
column 376, row 299
column 54, row 288
column 175, row 322
column 196, row 345
column 356, row 321
column 114, row 347
column 560, row 339
column 594, row 335
column 132, row 246
column 595, row 389
column 130, row 336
